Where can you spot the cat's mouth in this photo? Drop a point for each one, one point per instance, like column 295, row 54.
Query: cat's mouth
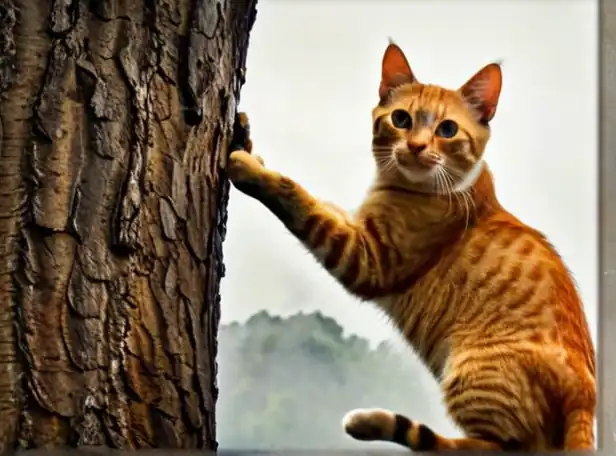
column 417, row 167
column 427, row 170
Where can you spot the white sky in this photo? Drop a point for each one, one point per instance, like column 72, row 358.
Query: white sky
column 312, row 80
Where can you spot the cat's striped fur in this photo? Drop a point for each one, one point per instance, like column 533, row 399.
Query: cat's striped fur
column 484, row 299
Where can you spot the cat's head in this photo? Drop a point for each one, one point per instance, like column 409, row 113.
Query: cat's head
column 431, row 137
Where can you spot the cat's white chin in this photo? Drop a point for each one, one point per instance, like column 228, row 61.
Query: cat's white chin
column 464, row 182
column 418, row 177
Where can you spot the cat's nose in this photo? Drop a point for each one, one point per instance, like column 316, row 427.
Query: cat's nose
column 416, row 148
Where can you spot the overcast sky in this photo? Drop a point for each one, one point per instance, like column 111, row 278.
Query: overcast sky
column 312, row 80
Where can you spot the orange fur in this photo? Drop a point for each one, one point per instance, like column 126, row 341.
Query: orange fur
column 484, row 299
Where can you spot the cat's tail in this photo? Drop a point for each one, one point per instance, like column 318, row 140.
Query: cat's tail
column 385, row 425
column 580, row 430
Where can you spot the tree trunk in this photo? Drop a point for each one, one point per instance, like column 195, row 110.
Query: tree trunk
column 115, row 117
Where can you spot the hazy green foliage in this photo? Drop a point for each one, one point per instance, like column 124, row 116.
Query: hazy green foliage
column 287, row 383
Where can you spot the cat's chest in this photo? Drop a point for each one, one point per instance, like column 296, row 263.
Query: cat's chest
column 426, row 328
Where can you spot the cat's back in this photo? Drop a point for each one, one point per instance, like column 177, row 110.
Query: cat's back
column 512, row 282
column 500, row 259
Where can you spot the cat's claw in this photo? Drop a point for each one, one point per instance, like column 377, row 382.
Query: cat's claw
column 243, row 164
column 241, row 134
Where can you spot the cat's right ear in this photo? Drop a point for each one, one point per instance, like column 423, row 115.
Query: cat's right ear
column 395, row 70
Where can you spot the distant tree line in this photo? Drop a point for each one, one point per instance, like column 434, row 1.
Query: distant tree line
column 286, row 383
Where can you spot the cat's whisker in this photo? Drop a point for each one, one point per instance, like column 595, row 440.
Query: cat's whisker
column 391, row 162
column 459, row 200
column 444, row 189
column 382, row 153
column 471, row 208
column 461, row 197
column 453, row 172
column 433, row 182
column 449, row 184
column 382, row 157
column 467, row 210
column 472, row 202
column 440, row 178
column 390, row 165
column 384, row 160
column 436, row 182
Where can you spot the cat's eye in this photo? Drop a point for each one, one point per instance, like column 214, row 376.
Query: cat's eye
column 447, row 129
column 401, row 119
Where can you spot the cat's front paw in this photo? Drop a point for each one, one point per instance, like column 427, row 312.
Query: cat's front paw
column 241, row 140
column 244, row 167
column 241, row 134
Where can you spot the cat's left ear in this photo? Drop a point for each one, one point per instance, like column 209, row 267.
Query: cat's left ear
column 395, row 70
column 483, row 90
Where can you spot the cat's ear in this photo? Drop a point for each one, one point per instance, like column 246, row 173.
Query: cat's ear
column 395, row 70
column 482, row 91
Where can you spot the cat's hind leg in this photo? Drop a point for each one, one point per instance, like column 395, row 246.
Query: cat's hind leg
column 385, row 425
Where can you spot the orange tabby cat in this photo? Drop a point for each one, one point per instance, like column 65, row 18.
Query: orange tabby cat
column 484, row 299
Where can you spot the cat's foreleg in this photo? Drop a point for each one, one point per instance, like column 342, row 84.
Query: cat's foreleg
column 350, row 252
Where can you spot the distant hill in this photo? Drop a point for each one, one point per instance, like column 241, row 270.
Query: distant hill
column 286, row 383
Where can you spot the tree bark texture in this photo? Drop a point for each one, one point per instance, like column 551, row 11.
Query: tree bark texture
column 115, row 121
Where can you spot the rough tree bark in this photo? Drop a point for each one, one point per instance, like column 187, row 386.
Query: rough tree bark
column 115, row 120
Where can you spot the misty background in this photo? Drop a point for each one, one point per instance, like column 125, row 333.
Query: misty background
column 296, row 351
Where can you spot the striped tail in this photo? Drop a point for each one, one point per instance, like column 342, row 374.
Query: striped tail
column 385, row 425
column 580, row 431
